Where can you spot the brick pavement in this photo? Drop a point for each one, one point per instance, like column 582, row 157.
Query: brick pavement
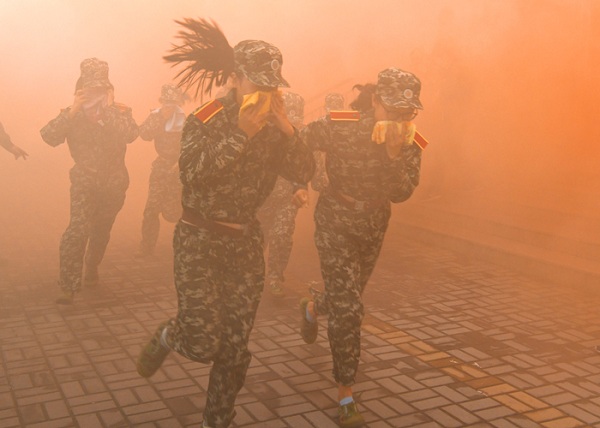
column 449, row 341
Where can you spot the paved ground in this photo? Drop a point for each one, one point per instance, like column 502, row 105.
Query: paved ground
column 447, row 342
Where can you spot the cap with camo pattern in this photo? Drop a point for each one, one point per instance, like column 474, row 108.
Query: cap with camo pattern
column 170, row 94
column 260, row 62
column 94, row 74
column 398, row 88
column 334, row 101
column 294, row 107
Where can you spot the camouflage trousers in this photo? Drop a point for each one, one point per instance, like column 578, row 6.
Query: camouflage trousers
column 348, row 242
column 164, row 197
column 219, row 281
column 96, row 199
column 278, row 220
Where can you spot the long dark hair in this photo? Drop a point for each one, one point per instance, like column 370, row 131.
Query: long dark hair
column 364, row 100
column 206, row 52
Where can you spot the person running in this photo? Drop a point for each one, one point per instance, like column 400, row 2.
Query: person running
column 232, row 150
column 97, row 131
column 163, row 125
column 372, row 159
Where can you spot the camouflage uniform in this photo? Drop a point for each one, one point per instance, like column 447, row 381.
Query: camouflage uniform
column 164, row 191
column 349, row 235
column 278, row 219
column 333, row 101
column 218, row 275
column 99, row 180
column 278, row 214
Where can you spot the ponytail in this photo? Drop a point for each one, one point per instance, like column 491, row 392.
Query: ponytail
column 364, row 100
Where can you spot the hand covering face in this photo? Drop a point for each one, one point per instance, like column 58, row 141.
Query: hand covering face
column 405, row 129
column 257, row 97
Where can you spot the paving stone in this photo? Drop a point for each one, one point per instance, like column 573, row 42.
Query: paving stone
column 446, row 342
column 579, row 413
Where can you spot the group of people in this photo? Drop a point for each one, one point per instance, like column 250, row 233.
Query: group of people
column 235, row 150
column 233, row 175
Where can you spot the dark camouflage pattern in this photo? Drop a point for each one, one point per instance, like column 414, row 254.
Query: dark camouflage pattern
column 94, row 74
column 260, row 62
column 171, row 94
column 399, row 89
column 164, row 190
column 99, row 180
column 319, row 180
column 278, row 219
column 219, row 278
column 294, row 108
column 278, row 214
column 219, row 281
column 349, row 239
column 334, row 101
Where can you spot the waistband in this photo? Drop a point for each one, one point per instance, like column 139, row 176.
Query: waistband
column 231, row 229
column 355, row 204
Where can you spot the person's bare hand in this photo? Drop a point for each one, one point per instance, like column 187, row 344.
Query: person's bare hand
column 81, row 96
column 19, row 152
column 300, row 198
column 393, row 141
column 278, row 115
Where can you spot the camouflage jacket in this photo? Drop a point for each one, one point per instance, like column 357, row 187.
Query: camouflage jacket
column 360, row 168
column 227, row 176
column 97, row 146
column 165, row 143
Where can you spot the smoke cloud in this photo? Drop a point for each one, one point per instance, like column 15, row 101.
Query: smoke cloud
column 510, row 88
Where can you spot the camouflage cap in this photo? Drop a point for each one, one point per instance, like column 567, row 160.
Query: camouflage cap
column 398, row 88
column 294, row 107
column 260, row 62
column 94, row 74
column 334, row 101
column 170, row 94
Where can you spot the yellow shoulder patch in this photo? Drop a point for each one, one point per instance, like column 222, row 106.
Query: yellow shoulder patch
column 344, row 115
column 208, row 110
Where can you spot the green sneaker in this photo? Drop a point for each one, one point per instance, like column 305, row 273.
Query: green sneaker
column 350, row 417
column 154, row 353
column 308, row 330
